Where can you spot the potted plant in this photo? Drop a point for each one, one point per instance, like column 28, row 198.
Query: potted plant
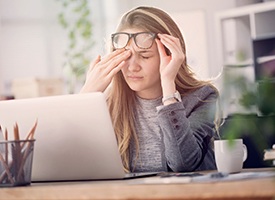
column 74, row 17
column 259, row 128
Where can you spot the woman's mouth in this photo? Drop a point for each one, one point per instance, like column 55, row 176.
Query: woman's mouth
column 135, row 78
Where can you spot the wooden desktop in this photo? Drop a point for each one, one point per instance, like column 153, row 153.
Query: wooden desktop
column 262, row 188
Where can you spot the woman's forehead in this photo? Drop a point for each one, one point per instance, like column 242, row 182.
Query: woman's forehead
column 132, row 30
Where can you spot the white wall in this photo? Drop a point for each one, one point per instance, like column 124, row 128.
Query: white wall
column 32, row 43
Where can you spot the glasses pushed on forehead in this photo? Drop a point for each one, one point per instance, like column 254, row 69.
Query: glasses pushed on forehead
column 143, row 40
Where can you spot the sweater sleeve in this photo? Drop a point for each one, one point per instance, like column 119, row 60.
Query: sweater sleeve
column 188, row 127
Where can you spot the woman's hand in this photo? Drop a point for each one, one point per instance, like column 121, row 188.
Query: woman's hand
column 102, row 70
column 169, row 64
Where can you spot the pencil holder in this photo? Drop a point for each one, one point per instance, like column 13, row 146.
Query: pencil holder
column 16, row 162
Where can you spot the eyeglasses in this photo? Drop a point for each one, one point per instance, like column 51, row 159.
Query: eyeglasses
column 143, row 40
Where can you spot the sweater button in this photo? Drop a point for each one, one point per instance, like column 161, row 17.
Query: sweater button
column 172, row 113
column 175, row 121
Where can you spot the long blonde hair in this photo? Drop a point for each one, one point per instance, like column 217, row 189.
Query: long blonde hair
column 121, row 99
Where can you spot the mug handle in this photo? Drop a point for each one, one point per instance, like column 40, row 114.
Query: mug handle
column 245, row 152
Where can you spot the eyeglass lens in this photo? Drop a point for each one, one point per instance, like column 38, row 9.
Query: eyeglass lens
column 142, row 40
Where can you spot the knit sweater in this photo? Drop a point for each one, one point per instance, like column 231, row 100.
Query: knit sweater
column 176, row 137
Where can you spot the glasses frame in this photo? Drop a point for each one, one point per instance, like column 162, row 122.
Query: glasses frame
column 133, row 35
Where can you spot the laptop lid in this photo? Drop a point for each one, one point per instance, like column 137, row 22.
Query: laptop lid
column 75, row 139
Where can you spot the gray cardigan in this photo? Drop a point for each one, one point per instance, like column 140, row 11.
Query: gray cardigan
column 177, row 137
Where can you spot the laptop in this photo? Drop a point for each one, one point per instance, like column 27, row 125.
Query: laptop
column 75, row 139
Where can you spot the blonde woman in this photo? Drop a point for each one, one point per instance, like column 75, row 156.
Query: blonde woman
column 162, row 115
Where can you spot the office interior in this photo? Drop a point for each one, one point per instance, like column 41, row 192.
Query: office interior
column 33, row 43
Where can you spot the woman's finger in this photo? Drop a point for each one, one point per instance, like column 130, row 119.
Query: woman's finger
column 170, row 42
column 115, row 70
column 115, row 61
column 161, row 48
column 94, row 62
column 111, row 55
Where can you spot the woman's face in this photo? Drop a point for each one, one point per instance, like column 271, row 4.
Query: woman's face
column 141, row 71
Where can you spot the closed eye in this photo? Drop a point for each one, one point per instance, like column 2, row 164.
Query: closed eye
column 145, row 55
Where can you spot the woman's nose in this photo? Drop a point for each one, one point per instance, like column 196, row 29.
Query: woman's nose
column 132, row 62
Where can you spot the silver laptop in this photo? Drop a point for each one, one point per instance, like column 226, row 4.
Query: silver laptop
column 75, row 139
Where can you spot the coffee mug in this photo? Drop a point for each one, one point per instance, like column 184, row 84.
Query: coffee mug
column 230, row 155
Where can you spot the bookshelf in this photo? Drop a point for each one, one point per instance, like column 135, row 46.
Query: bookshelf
column 246, row 49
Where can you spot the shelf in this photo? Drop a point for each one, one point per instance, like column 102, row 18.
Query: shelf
column 259, row 14
column 264, row 59
column 265, row 36
column 248, row 34
column 245, row 63
column 236, row 39
column 264, row 23
column 247, row 10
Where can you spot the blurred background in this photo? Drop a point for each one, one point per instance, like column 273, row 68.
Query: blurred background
column 41, row 43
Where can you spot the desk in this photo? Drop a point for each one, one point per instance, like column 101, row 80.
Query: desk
column 243, row 190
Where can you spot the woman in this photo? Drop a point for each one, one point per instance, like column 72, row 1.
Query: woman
column 162, row 115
